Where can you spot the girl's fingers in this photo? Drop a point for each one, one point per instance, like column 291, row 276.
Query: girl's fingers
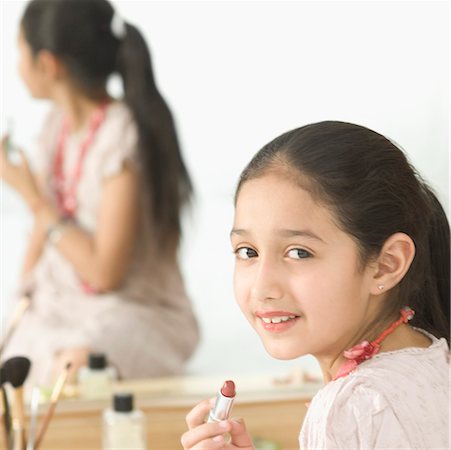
column 197, row 415
column 206, row 436
column 208, row 444
column 5, row 165
column 4, row 146
column 240, row 436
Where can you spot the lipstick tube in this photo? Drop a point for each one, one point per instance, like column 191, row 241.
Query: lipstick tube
column 224, row 403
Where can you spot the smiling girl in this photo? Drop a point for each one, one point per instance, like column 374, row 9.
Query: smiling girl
column 342, row 252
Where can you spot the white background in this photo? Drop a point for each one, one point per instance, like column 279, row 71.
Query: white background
column 236, row 75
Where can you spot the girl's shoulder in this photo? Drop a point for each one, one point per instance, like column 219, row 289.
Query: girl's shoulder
column 117, row 140
column 405, row 390
column 118, row 119
column 118, row 109
column 410, row 366
column 119, row 125
column 437, row 349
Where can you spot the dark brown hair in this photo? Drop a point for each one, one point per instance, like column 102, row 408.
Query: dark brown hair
column 373, row 191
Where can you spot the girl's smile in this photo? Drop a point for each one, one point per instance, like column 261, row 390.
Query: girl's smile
column 277, row 321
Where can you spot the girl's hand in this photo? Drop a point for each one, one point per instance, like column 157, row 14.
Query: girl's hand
column 210, row 436
column 19, row 176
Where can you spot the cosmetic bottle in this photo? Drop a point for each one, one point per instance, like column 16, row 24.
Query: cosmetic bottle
column 95, row 381
column 123, row 426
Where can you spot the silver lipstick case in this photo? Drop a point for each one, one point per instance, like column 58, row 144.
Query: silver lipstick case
column 222, row 408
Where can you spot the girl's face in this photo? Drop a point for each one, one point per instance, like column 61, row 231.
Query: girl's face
column 297, row 275
column 31, row 70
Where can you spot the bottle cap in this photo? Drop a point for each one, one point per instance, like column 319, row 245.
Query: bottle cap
column 97, row 361
column 123, row 402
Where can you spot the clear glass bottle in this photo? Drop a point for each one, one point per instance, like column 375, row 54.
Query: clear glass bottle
column 123, row 426
column 95, row 381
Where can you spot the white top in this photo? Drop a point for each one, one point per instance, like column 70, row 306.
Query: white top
column 396, row 400
column 146, row 326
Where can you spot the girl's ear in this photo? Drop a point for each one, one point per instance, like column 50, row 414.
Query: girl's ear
column 393, row 262
column 49, row 65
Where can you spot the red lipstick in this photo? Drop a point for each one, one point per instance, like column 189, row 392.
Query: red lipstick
column 224, row 402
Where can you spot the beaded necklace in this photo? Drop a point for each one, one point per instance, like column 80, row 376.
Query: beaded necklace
column 66, row 192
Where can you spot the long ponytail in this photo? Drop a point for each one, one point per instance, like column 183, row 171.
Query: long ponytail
column 165, row 172
column 435, row 316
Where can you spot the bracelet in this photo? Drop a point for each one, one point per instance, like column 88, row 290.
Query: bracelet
column 55, row 232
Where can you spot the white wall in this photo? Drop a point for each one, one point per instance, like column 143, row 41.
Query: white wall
column 236, row 75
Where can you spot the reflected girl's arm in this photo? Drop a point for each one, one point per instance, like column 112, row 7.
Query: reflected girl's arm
column 101, row 258
column 34, row 250
column 36, row 240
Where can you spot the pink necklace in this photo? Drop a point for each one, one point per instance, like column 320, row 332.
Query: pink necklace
column 366, row 350
column 66, row 193
column 66, row 196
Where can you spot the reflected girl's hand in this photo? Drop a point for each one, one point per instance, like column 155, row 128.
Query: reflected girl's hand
column 19, row 176
column 210, row 436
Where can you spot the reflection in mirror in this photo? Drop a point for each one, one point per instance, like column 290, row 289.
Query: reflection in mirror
column 105, row 195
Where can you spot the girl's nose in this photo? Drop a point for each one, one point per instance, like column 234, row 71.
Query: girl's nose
column 267, row 282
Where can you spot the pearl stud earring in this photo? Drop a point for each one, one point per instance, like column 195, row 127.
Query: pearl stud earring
column 380, row 287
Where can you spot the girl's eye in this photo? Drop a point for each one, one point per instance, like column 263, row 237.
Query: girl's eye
column 245, row 253
column 299, row 253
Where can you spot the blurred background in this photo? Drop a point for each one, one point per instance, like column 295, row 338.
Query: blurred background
column 237, row 74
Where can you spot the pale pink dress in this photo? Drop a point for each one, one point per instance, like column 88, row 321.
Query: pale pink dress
column 396, row 400
column 146, row 327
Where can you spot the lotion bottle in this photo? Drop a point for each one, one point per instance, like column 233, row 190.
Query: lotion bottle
column 95, row 381
column 123, row 426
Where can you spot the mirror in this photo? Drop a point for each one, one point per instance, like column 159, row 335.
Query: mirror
column 237, row 74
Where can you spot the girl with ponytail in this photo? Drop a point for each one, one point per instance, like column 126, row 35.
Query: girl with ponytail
column 107, row 197
column 343, row 252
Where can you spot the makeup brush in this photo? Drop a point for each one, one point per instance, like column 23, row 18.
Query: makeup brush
column 15, row 372
column 22, row 306
column 34, row 406
column 6, row 417
column 56, row 392
column 2, row 415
